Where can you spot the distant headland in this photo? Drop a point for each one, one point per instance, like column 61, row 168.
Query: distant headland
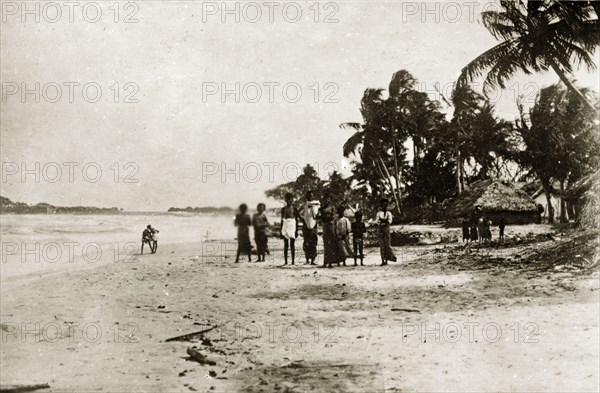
column 203, row 210
column 8, row 206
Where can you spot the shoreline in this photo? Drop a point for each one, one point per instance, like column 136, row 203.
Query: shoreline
column 300, row 328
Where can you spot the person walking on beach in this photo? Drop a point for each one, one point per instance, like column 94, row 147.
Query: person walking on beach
column 309, row 213
column 243, row 223
column 260, row 224
column 147, row 238
column 358, row 230
column 289, row 227
column 384, row 219
column 342, row 233
column 327, row 217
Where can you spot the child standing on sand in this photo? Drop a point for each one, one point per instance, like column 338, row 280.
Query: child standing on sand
column 260, row 224
column 243, row 222
column 384, row 219
column 465, row 230
column 289, row 227
column 358, row 230
column 501, row 226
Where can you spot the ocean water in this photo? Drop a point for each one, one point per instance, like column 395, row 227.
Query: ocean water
column 41, row 243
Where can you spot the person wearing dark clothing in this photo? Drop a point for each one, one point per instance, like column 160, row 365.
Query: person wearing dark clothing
column 473, row 232
column 147, row 238
column 243, row 222
column 327, row 217
column 501, row 226
column 260, row 224
column 358, row 231
column 465, row 231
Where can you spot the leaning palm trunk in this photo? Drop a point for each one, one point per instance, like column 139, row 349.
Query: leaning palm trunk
column 565, row 79
column 396, row 200
column 550, row 208
column 459, row 189
column 563, row 204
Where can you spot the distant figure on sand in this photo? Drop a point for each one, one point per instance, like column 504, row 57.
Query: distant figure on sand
column 501, row 226
column 260, row 224
column 465, row 230
column 358, row 231
column 147, row 238
column 309, row 213
column 243, row 222
column 384, row 219
column 327, row 217
column 342, row 233
column 289, row 227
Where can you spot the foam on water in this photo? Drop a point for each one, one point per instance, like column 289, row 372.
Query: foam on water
column 40, row 243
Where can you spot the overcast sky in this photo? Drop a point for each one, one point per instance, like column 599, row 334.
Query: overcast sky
column 181, row 133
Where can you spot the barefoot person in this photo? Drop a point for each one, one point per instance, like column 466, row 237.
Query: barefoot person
column 327, row 217
column 155, row 240
column 309, row 213
column 243, row 222
column 147, row 238
column 342, row 234
column 289, row 227
column 384, row 219
column 358, row 231
column 260, row 224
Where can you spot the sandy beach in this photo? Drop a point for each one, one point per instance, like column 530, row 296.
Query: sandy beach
column 303, row 328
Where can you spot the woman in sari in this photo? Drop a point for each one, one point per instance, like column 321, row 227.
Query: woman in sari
column 309, row 213
column 327, row 217
column 243, row 223
column 383, row 220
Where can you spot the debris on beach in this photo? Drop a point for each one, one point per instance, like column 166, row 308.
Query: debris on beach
column 23, row 388
column 195, row 354
column 191, row 336
column 406, row 310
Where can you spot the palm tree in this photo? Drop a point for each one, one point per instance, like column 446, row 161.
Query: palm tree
column 537, row 36
column 561, row 139
column 387, row 124
column 475, row 134
column 370, row 144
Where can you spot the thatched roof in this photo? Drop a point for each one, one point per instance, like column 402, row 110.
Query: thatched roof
column 493, row 196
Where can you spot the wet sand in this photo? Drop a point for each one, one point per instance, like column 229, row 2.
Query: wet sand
column 425, row 324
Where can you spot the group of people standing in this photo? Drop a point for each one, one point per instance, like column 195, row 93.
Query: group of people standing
column 478, row 227
column 337, row 231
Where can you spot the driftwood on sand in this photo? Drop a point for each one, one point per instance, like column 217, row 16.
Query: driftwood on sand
column 23, row 388
column 199, row 357
column 190, row 336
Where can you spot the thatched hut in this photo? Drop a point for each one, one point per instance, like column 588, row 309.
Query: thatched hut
column 497, row 200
